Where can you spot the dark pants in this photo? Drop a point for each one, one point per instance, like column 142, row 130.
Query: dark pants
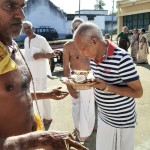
column 123, row 44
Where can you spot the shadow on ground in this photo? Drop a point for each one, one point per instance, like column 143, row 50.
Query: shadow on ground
column 147, row 66
column 58, row 72
column 91, row 142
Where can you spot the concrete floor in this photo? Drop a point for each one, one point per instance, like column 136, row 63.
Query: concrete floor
column 62, row 117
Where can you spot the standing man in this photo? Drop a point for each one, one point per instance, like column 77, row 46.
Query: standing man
column 117, row 85
column 37, row 54
column 17, row 121
column 83, row 108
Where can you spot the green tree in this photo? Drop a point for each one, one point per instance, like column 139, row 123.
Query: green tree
column 99, row 5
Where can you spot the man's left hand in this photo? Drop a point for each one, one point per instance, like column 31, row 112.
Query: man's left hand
column 38, row 56
column 57, row 94
column 100, row 84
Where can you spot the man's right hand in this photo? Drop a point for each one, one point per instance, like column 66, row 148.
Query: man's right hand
column 49, row 140
column 72, row 91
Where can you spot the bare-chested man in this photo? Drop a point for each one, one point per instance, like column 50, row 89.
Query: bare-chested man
column 17, row 120
column 83, row 101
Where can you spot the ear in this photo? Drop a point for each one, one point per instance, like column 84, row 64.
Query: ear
column 22, row 30
column 72, row 30
column 94, row 40
column 33, row 29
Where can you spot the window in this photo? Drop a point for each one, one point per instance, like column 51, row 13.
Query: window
column 90, row 17
column 137, row 21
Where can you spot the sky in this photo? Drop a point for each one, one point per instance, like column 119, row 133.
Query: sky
column 70, row 6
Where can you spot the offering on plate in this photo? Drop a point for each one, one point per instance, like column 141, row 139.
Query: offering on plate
column 80, row 80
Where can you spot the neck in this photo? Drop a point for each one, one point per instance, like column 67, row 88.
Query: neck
column 102, row 51
column 32, row 36
column 6, row 40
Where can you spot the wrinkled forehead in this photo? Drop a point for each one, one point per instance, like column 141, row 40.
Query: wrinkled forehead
column 27, row 26
column 27, row 23
column 76, row 24
column 13, row 1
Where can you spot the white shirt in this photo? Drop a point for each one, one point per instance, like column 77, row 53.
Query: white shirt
column 40, row 67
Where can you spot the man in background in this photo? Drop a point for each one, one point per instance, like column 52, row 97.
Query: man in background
column 83, row 104
column 37, row 54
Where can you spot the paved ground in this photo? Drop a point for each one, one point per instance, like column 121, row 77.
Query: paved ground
column 62, row 118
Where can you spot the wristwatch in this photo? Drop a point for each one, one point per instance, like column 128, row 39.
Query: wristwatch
column 106, row 89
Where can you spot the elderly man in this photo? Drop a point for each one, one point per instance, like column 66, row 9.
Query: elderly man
column 37, row 54
column 17, row 121
column 116, row 87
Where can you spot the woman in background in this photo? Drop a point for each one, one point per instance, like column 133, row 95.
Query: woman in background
column 143, row 51
column 143, row 45
column 134, row 44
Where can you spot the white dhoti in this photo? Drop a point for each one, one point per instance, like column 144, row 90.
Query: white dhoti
column 83, row 112
column 44, row 109
column 111, row 138
column 40, row 83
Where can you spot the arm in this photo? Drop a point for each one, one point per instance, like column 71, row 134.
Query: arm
column 47, row 50
column 142, row 43
column 133, row 89
column 55, row 94
column 129, row 76
column 43, row 55
column 66, row 63
column 133, row 39
column 40, row 139
column 117, row 38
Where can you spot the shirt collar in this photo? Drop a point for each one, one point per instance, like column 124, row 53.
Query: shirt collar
column 110, row 51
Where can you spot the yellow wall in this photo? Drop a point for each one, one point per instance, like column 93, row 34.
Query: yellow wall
column 126, row 7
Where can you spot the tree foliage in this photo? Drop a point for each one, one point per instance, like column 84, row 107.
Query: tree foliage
column 99, row 5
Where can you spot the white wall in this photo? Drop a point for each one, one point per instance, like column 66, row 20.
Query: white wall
column 96, row 12
column 100, row 21
column 43, row 14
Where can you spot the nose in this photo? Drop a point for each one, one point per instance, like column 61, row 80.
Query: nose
column 20, row 13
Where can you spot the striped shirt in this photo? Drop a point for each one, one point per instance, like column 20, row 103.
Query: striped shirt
column 117, row 68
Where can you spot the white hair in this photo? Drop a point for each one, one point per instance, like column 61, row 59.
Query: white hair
column 76, row 22
column 87, row 30
column 27, row 23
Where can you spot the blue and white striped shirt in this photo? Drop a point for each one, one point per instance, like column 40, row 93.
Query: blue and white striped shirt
column 116, row 69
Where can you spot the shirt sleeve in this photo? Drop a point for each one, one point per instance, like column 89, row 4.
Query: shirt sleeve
column 46, row 47
column 127, row 70
column 120, row 34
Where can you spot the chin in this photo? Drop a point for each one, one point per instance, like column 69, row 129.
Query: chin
column 16, row 31
column 15, row 35
column 88, row 57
